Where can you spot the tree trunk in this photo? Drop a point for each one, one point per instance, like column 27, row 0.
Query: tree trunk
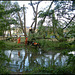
column 23, row 28
column 53, row 21
column 36, row 18
column 10, row 31
column 24, row 23
column 21, row 23
column 10, row 34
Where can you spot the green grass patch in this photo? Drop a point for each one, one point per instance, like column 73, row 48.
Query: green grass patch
column 52, row 70
column 13, row 45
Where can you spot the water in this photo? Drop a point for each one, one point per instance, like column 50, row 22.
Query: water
column 24, row 60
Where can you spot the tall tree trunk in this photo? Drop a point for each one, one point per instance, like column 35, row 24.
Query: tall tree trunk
column 21, row 23
column 35, row 13
column 3, row 34
column 23, row 27
column 53, row 21
column 10, row 34
column 24, row 23
column 36, row 18
column 10, row 31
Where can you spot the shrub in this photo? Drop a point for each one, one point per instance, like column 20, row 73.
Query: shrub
column 62, row 39
column 64, row 46
column 52, row 70
column 71, row 61
column 3, row 58
column 2, row 45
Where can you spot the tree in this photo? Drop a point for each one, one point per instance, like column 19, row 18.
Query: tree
column 24, row 22
column 43, row 15
column 71, row 30
column 5, row 17
column 65, row 8
column 19, row 17
column 35, row 10
column 62, row 10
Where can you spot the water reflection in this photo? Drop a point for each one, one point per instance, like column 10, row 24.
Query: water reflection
column 73, row 52
column 22, row 60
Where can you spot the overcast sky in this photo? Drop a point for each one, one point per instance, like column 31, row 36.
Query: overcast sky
column 29, row 12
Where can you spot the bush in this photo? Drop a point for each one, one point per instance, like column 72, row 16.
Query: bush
column 52, row 70
column 72, row 47
column 64, row 46
column 62, row 39
column 3, row 58
column 2, row 45
column 47, row 45
column 71, row 61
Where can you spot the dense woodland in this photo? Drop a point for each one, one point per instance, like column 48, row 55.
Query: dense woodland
column 60, row 24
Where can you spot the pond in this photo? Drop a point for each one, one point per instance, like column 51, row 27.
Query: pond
column 25, row 60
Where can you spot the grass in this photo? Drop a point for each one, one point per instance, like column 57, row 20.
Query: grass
column 52, row 70
column 46, row 45
column 13, row 45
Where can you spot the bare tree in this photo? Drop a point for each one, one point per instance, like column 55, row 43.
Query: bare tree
column 35, row 10
column 24, row 22
column 23, row 26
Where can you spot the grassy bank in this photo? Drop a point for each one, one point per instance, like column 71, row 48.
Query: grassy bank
column 66, row 70
column 13, row 45
column 47, row 45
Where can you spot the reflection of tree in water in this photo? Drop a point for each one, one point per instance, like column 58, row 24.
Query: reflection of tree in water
column 33, row 62
column 23, row 62
column 55, row 60
column 58, row 60
column 30, row 60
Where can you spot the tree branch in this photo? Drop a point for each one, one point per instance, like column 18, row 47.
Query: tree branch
column 69, row 22
column 36, row 16
column 32, row 23
column 33, row 6
column 48, row 11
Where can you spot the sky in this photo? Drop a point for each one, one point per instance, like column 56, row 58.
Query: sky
column 29, row 11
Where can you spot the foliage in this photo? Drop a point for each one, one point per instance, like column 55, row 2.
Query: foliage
column 3, row 58
column 57, row 24
column 54, row 25
column 71, row 62
column 52, row 70
column 71, row 32
column 64, row 45
column 6, row 10
column 2, row 45
column 47, row 45
column 13, row 45
column 62, row 39
column 1, row 33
